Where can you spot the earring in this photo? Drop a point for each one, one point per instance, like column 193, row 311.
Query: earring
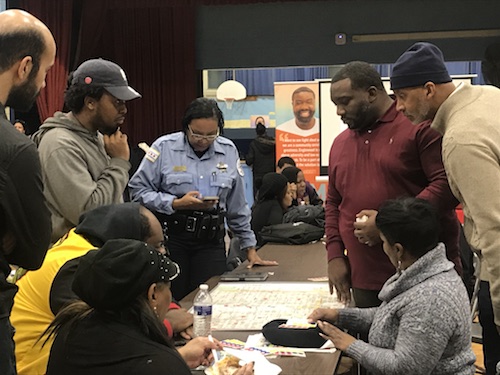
column 156, row 312
column 399, row 267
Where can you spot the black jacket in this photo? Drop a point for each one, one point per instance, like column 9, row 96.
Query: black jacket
column 265, row 213
column 262, row 155
column 102, row 347
column 22, row 202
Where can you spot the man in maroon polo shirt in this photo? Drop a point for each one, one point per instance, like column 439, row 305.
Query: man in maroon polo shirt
column 381, row 156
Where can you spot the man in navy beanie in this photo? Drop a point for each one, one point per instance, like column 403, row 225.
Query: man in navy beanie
column 469, row 119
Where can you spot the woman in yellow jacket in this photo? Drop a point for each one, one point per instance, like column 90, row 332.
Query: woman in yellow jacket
column 38, row 300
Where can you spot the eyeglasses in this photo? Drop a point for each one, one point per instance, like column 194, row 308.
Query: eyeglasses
column 199, row 137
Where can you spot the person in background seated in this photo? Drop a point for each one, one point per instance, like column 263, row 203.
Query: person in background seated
column 44, row 292
column 272, row 202
column 117, row 327
column 283, row 162
column 423, row 325
column 302, row 195
column 20, row 126
column 261, row 154
column 310, row 192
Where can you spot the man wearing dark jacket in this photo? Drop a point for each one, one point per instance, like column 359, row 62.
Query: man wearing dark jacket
column 27, row 51
column 262, row 155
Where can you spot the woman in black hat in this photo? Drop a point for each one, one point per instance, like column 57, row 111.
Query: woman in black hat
column 117, row 327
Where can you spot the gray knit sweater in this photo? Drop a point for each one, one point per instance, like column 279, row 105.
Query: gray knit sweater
column 423, row 325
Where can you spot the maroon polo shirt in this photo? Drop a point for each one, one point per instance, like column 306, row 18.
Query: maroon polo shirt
column 392, row 159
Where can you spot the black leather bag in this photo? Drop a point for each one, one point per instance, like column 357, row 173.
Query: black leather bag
column 292, row 233
column 306, row 213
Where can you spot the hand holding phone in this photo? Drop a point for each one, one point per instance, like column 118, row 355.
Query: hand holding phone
column 210, row 198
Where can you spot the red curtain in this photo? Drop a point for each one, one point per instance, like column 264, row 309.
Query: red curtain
column 57, row 15
column 154, row 43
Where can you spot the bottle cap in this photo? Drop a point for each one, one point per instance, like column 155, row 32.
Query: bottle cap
column 204, row 287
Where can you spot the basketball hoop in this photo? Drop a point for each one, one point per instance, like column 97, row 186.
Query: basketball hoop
column 229, row 102
column 231, row 90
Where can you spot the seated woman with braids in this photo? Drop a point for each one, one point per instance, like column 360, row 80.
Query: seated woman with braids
column 304, row 192
column 423, row 325
column 117, row 327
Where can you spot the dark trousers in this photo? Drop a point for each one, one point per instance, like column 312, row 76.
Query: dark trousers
column 7, row 357
column 491, row 338
column 198, row 261
column 366, row 298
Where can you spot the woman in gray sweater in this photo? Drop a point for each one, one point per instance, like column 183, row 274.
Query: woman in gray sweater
column 423, row 324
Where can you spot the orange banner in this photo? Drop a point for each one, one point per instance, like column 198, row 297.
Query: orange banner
column 304, row 150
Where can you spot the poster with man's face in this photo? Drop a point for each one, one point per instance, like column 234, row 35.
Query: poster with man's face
column 297, row 125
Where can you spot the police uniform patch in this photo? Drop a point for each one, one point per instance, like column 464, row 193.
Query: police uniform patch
column 152, row 155
column 180, row 168
column 222, row 167
column 239, row 168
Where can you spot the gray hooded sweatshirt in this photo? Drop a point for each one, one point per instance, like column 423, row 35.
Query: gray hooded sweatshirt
column 78, row 174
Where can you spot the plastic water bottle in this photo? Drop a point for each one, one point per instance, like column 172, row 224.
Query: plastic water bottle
column 202, row 315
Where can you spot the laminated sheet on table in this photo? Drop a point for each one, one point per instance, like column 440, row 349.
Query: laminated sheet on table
column 248, row 306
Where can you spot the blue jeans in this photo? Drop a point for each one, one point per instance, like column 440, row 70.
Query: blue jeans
column 491, row 338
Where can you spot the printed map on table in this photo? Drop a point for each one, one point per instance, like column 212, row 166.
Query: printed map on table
column 248, row 306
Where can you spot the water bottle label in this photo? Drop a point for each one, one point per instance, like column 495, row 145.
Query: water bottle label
column 202, row 310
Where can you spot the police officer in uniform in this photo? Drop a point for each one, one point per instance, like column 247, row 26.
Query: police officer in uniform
column 193, row 181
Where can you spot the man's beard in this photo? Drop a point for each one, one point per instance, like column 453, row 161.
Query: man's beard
column 421, row 113
column 108, row 130
column 22, row 97
column 363, row 120
column 102, row 126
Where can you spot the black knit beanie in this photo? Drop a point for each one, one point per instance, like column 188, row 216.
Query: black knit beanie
column 421, row 63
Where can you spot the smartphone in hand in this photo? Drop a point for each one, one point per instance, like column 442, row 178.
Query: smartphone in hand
column 210, row 198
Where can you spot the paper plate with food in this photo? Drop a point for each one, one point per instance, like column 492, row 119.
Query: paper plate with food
column 232, row 360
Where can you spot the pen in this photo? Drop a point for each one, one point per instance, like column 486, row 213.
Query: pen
column 214, row 352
